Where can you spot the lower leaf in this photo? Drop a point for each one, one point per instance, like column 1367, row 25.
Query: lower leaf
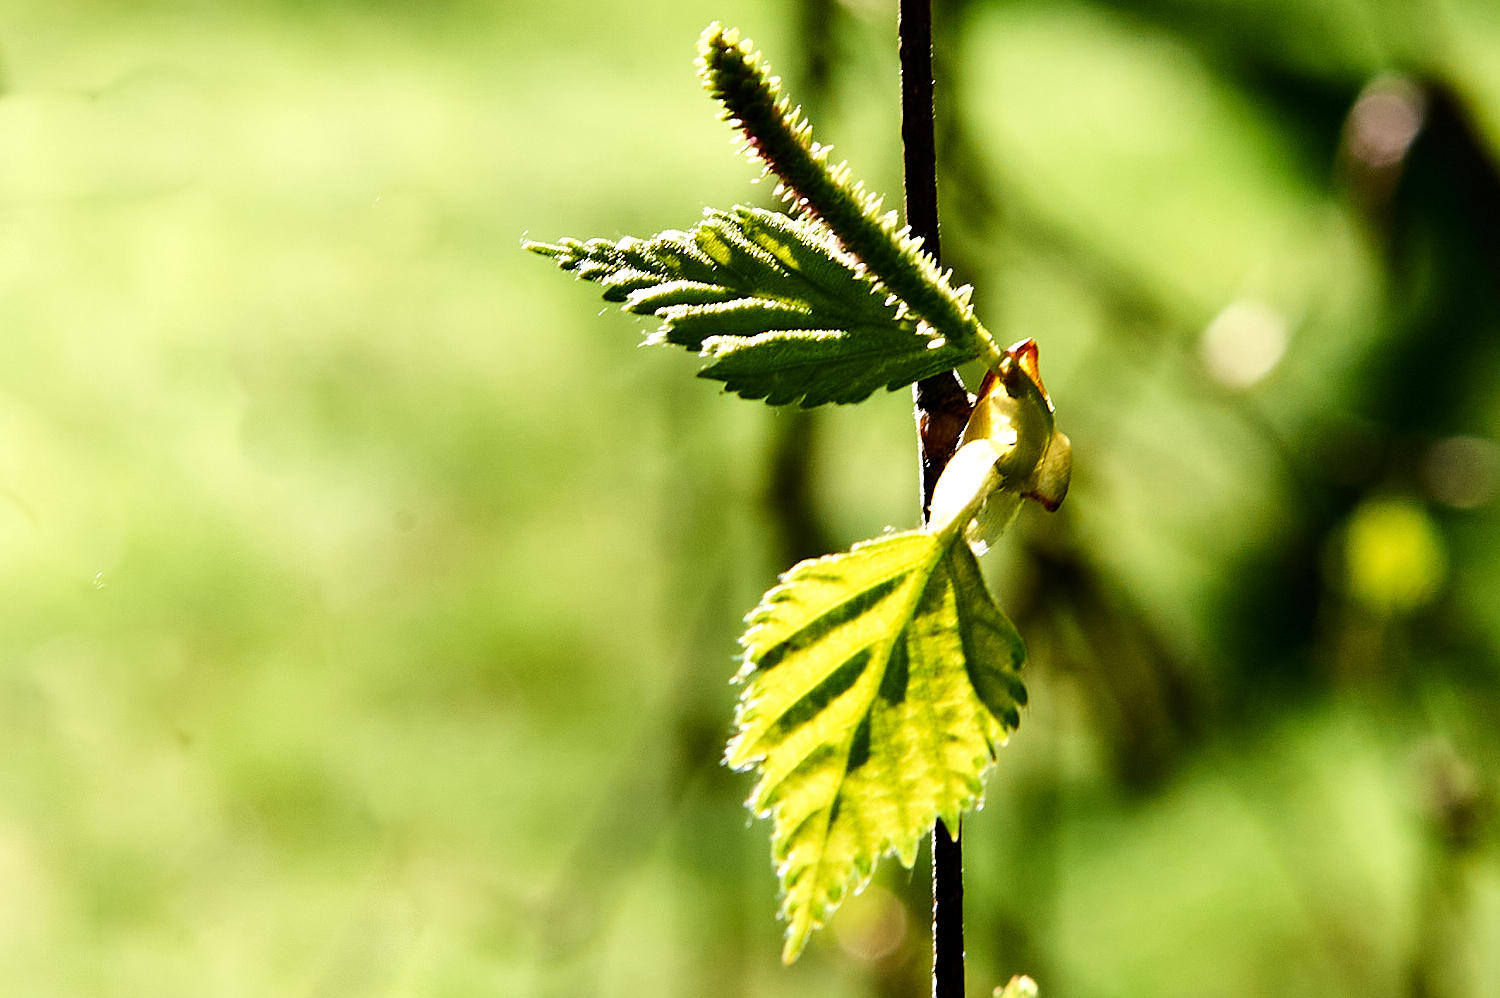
column 879, row 684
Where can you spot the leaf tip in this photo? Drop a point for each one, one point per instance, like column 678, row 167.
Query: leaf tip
column 797, row 934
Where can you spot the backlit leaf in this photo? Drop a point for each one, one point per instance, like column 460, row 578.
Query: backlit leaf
column 773, row 303
column 879, row 684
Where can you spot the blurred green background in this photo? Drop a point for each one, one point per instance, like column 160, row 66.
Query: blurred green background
column 369, row 598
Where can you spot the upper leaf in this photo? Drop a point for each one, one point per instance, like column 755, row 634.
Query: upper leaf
column 779, row 137
column 778, row 308
column 878, row 685
column 825, row 307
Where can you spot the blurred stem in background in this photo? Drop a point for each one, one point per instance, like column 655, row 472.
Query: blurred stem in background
column 793, row 461
column 796, row 432
column 1453, row 811
column 689, row 729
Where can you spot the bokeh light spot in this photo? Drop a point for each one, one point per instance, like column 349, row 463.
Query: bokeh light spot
column 1384, row 121
column 1243, row 343
column 872, row 926
column 1394, row 557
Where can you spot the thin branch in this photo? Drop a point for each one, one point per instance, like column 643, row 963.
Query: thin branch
column 942, row 409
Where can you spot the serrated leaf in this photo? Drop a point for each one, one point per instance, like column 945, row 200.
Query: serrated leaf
column 779, row 309
column 879, row 684
column 820, row 365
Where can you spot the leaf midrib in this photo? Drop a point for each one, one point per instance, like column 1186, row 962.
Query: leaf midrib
column 928, row 565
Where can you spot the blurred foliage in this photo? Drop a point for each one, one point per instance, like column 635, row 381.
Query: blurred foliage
column 369, row 600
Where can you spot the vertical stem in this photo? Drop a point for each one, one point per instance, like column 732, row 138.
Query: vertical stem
column 942, row 405
column 918, row 144
column 942, row 408
column 947, row 913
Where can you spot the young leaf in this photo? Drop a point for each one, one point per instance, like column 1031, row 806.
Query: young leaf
column 826, row 307
column 777, row 308
column 879, row 684
column 1010, row 450
column 736, row 75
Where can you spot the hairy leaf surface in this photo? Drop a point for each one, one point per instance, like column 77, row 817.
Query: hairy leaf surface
column 777, row 135
column 779, row 310
column 878, row 685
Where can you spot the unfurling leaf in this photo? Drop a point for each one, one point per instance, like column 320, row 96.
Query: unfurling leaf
column 1010, row 450
column 879, row 684
column 777, row 308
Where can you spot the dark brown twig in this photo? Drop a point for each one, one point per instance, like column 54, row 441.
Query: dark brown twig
column 942, row 409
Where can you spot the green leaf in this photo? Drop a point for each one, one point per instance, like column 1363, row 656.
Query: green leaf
column 777, row 135
column 779, row 310
column 879, row 684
